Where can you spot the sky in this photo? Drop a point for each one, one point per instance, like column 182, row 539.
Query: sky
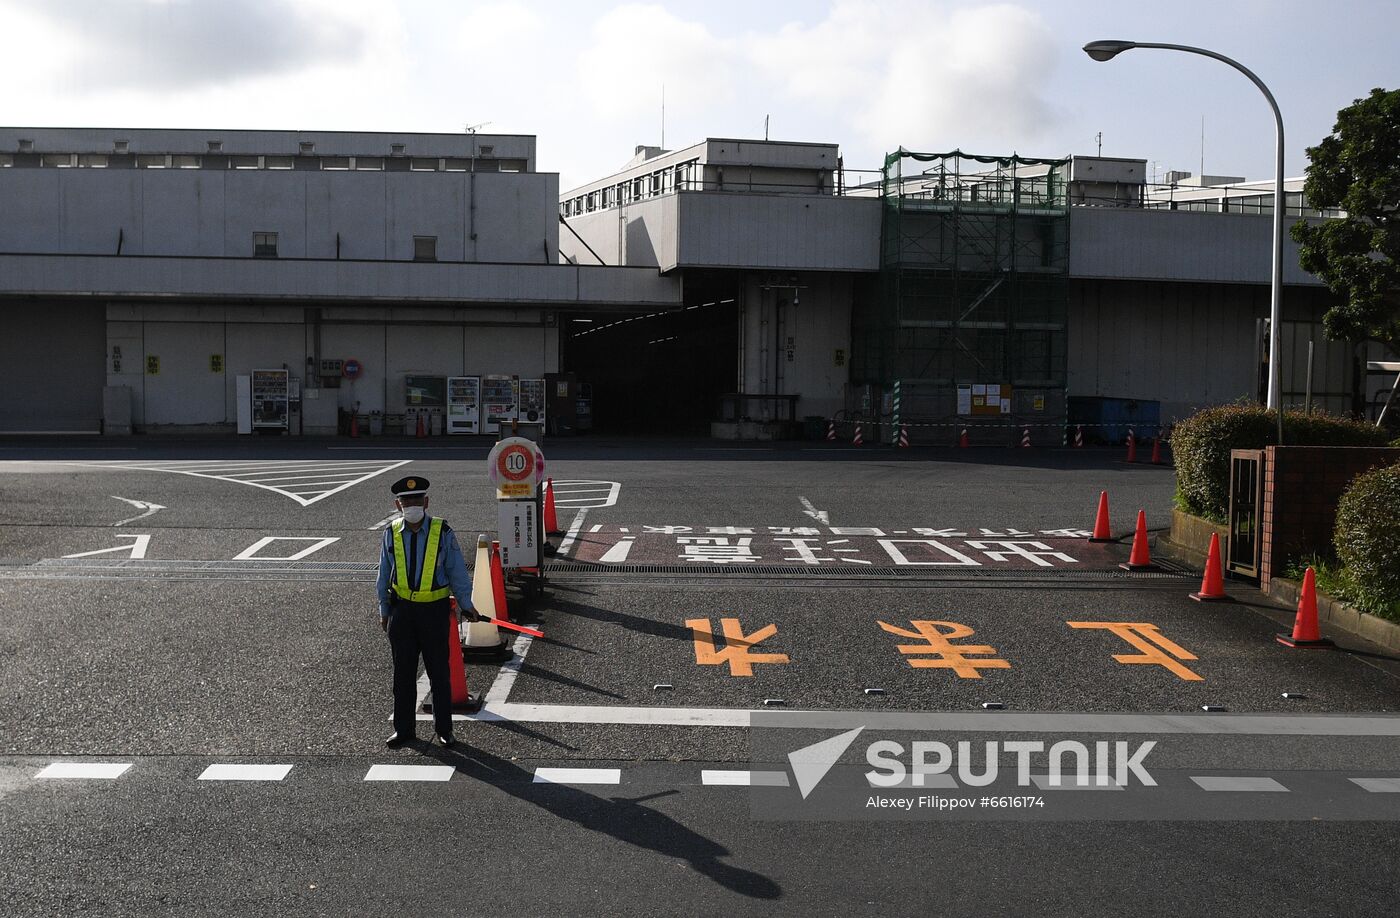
column 587, row 78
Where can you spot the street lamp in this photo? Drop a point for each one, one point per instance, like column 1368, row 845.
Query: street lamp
column 1106, row 51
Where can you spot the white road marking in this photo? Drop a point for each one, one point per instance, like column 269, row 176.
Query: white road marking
column 618, row 553
column 572, row 534
column 384, row 522
column 149, row 507
column 105, row 771
column 1213, row 783
column 251, row 552
column 722, row 778
column 942, row 781
column 234, row 772
column 821, row 516
column 409, row 773
column 596, row 528
column 135, row 550
column 1378, row 785
column 578, row 776
column 250, row 472
column 566, row 491
column 1072, row 782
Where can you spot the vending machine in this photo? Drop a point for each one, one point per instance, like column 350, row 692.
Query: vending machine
column 532, row 400
column 271, row 397
column 500, row 403
column 464, row 404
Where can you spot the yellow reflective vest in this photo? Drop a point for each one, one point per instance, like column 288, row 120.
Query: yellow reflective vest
column 425, row 591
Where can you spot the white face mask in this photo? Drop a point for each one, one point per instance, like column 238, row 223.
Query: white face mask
column 413, row 515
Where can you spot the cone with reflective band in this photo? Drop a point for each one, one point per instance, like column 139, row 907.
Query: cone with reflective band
column 856, row 439
column 498, row 583
column 1079, row 435
column 551, row 517
column 1025, row 437
column 1156, row 450
column 1305, row 630
column 904, row 435
column 1132, row 447
column 483, row 639
column 1213, row 580
column 962, row 440
column 1101, row 530
column 1140, row 559
column 831, row 430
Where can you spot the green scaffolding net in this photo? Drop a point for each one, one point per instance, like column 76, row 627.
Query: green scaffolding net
column 972, row 289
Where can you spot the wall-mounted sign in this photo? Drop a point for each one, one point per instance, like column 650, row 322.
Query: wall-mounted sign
column 152, row 365
column 216, row 363
column 352, row 369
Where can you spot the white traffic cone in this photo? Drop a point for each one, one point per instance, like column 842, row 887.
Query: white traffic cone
column 483, row 639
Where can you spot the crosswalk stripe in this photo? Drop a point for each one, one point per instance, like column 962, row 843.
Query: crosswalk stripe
column 100, row 770
column 578, row 776
column 1378, row 785
column 238, row 772
column 409, row 773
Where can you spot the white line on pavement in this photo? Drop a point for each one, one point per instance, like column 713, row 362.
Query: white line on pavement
column 1213, row 783
column 820, row 516
column 720, row 777
column 578, row 776
column 1378, row 785
column 409, row 773
column 1072, row 782
column 235, row 772
column 572, row 534
column 102, row 770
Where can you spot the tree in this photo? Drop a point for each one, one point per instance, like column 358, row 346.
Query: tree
column 1357, row 168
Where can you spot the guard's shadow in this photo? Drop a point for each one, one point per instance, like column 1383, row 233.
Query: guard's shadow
column 626, row 819
column 626, row 620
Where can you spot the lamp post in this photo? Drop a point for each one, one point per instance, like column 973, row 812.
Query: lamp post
column 1107, row 50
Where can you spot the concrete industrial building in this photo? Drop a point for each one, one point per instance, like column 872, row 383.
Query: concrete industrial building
column 728, row 280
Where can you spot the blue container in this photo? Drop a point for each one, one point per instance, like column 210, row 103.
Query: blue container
column 1108, row 420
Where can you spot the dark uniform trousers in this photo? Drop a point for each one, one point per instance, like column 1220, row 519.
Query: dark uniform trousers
column 420, row 628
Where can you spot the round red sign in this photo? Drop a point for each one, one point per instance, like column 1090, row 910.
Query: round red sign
column 352, row 369
column 516, row 462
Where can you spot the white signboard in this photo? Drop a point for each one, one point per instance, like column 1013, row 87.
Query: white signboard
column 520, row 545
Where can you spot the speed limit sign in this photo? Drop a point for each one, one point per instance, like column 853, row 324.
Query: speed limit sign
column 515, row 466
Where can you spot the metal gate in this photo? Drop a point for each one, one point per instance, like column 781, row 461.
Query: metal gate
column 1246, row 500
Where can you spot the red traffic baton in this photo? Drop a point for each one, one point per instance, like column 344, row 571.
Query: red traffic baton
column 502, row 623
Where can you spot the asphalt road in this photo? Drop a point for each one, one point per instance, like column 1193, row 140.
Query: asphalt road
column 219, row 616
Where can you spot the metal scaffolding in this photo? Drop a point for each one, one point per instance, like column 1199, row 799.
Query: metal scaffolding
column 974, row 268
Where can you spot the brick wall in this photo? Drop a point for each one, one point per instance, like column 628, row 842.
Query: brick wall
column 1302, row 485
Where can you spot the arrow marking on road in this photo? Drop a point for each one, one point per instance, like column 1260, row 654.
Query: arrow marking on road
column 821, row 516
column 146, row 505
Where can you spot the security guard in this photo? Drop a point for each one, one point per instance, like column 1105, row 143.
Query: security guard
column 420, row 565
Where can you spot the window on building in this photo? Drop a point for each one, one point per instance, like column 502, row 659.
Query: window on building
column 6, row 160
column 151, row 161
column 57, row 160
column 512, row 165
column 244, row 162
column 264, row 245
column 369, row 163
column 278, row 162
column 335, row 163
column 457, row 164
column 93, row 160
column 181, row 161
column 423, row 164
column 425, row 248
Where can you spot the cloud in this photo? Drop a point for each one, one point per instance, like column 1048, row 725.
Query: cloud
column 636, row 48
column 101, row 45
column 921, row 75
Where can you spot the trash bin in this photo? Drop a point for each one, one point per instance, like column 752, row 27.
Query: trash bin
column 376, row 424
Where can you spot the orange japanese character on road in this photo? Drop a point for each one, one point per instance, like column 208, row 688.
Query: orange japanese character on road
column 1145, row 637
column 738, row 647
column 939, row 643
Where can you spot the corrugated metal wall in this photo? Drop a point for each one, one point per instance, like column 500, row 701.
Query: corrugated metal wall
column 53, row 355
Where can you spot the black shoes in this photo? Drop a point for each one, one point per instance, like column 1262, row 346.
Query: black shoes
column 446, row 742
column 397, row 740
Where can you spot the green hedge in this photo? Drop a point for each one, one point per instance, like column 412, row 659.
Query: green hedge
column 1201, row 447
column 1367, row 539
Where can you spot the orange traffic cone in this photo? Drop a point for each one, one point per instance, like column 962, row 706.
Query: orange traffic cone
column 1101, row 531
column 1156, row 450
column 498, row 583
column 484, row 640
column 1305, row 631
column 1140, row 559
column 962, row 440
column 421, row 432
column 1213, row 580
column 1132, row 447
column 461, row 698
column 551, row 516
